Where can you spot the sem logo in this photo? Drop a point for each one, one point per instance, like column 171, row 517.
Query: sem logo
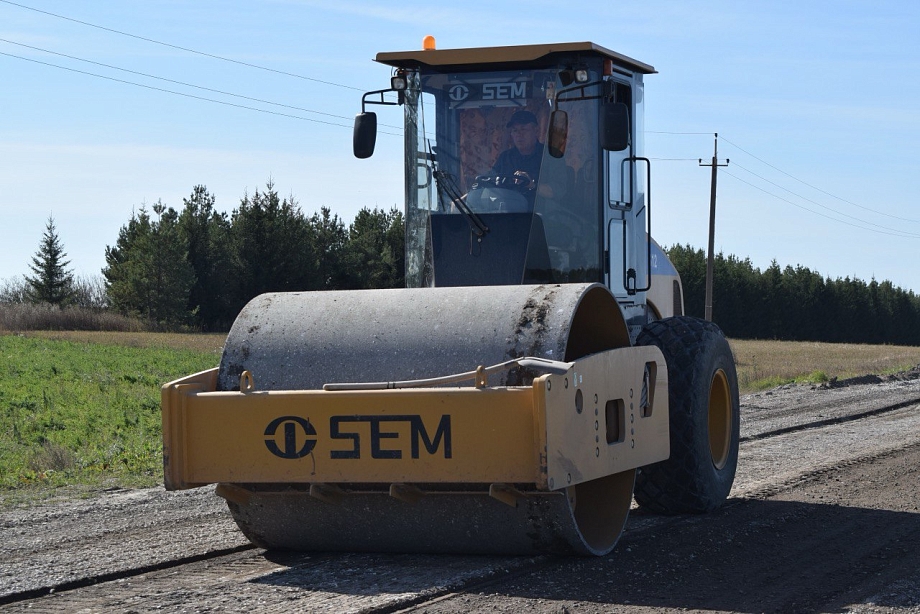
column 295, row 429
column 459, row 92
column 504, row 91
column 380, row 429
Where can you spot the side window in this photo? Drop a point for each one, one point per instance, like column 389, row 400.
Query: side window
column 427, row 145
column 620, row 173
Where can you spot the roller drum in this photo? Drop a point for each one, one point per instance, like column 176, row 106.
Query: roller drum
column 297, row 341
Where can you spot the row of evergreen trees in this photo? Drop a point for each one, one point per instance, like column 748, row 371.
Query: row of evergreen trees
column 199, row 266
column 796, row 304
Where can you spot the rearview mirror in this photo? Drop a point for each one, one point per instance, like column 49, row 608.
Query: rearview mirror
column 558, row 133
column 614, row 126
column 365, row 135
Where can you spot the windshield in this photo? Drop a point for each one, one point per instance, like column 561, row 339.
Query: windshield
column 491, row 205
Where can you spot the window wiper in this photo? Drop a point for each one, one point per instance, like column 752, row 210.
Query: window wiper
column 448, row 187
column 449, row 191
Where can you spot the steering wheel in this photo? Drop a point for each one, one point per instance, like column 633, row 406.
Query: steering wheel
column 520, row 181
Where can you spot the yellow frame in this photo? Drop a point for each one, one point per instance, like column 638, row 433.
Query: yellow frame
column 532, row 435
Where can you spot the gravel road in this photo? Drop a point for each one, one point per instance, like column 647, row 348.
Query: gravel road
column 824, row 516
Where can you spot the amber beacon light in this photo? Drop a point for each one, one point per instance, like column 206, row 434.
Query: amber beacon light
column 428, row 43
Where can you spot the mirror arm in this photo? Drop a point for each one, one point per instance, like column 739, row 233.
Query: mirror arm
column 365, row 101
column 581, row 87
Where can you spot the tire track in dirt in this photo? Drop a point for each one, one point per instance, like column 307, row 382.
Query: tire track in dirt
column 773, row 464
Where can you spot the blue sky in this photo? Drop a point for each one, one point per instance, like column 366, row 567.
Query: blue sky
column 816, row 105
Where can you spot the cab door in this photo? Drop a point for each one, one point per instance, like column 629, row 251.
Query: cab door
column 625, row 195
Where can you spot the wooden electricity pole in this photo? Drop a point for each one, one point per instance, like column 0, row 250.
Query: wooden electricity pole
column 712, row 221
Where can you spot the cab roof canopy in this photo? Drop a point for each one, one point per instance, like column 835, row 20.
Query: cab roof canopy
column 523, row 56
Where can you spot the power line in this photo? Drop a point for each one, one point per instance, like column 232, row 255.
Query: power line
column 186, row 49
column 814, row 202
column 793, row 177
column 164, row 90
column 849, row 202
column 892, row 233
column 199, row 87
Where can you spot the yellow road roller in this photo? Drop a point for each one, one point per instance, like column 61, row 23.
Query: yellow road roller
column 536, row 374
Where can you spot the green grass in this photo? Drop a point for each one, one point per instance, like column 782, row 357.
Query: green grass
column 815, row 377
column 78, row 413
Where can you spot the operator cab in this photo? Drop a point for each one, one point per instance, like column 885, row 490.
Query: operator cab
column 522, row 165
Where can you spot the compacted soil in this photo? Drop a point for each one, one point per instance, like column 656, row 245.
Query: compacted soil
column 824, row 516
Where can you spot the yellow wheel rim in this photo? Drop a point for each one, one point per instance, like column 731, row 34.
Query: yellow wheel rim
column 720, row 419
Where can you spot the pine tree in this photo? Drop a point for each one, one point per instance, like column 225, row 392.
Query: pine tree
column 52, row 282
column 206, row 233
column 271, row 245
column 147, row 272
column 374, row 253
column 329, row 238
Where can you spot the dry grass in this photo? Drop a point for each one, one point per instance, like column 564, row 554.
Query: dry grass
column 196, row 342
column 42, row 316
column 764, row 364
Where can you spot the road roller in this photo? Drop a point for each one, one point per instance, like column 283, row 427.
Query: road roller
column 535, row 377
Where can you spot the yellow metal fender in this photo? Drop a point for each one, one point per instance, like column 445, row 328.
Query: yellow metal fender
column 607, row 414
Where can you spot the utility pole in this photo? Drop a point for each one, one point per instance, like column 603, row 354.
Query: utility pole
column 712, row 221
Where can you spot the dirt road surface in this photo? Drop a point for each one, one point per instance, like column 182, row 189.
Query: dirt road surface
column 824, row 516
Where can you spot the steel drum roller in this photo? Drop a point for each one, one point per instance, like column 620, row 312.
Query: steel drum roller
column 297, row 341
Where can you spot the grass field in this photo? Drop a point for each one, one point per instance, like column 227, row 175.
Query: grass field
column 82, row 409
column 766, row 364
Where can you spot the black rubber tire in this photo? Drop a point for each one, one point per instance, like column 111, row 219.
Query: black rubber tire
column 698, row 475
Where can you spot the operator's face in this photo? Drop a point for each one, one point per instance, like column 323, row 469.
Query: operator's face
column 524, row 137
